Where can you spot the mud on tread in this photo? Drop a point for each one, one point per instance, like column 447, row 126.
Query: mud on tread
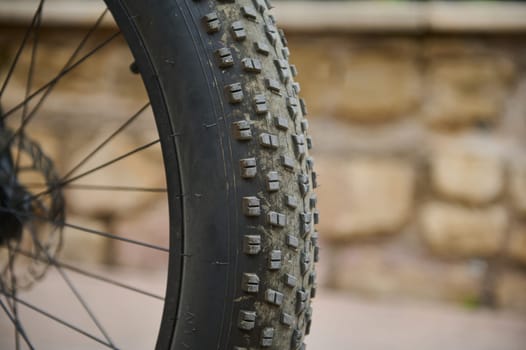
column 276, row 277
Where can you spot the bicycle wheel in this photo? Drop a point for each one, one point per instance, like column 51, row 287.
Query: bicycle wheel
column 239, row 177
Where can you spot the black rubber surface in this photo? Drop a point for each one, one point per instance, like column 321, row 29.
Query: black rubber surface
column 235, row 144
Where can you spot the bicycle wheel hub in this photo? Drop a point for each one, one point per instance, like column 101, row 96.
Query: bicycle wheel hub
column 30, row 221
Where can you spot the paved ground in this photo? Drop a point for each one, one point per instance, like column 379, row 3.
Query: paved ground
column 340, row 322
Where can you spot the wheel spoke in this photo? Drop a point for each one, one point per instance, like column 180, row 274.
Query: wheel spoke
column 101, row 188
column 87, row 230
column 105, row 142
column 17, row 325
column 56, row 319
column 37, row 14
column 73, row 289
column 92, row 275
column 12, row 277
column 55, row 80
column 29, row 83
column 81, row 300
column 63, row 182
column 113, row 236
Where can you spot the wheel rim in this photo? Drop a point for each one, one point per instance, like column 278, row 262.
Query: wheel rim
column 17, row 119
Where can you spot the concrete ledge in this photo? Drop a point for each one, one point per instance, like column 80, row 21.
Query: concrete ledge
column 319, row 16
column 78, row 13
column 434, row 16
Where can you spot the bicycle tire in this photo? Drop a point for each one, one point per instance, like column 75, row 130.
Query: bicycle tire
column 241, row 272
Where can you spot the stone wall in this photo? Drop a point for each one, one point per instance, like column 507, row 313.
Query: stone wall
column 420, row 143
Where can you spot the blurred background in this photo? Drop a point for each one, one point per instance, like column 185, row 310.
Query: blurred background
column 418, row 115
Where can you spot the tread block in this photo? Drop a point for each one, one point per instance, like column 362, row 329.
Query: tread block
column 273, row 85
column 274, row 262
column 248, row 168
column 224, row 57
column 309, row 142
column 299, row 143
column 308, row 326
column 291, row 201
column 316, row 217
column 316, row 254
column 297, row 338
column 251, row 65
column 251, row 206
column 301, row 300
column 249, row 12
column 282, row 37
column 276, row 219
column 269, row 140
column 273, row 297
column 238, row 31
column 314, row 237
column 241, row 130
column 305, row 220
column 260, row 104
column 252, row 244
column 272, row 33
column 269, row 6
column 250, row 283
column 281, row 123
column 314, row 177
column 273, row 181
column 305, row 261
column 290, row 280
column 296, row 87
column 286, row 319
column 303, row 181
column 211, row 22
column 285, row 52
column 303, row 106
column 262, row 48
column 304, row 124
column 312, row 277
column 267, row 337
column 260, row 5
column 313, row 201
column 293, row 70
column 292, row 241
column 283, row 70
column 246, row 320
column 293, row 106
column 234, row 92
column 310, row 163
column 287, row 162
column 313, row 290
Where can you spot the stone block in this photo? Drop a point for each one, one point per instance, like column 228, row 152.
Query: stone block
column 378, row 86
column 510, row 290
column 466, row 89
column 339, row 77
column 518, row 186
column 458, row 231
column 151, row 226
column 471, row 176
column 139, row 170
column 82, row 246
column 377, row 271
column 319, row 63
column 516, row 248
column 364, row 196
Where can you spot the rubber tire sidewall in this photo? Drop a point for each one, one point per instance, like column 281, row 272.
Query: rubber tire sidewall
column 188, row 106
